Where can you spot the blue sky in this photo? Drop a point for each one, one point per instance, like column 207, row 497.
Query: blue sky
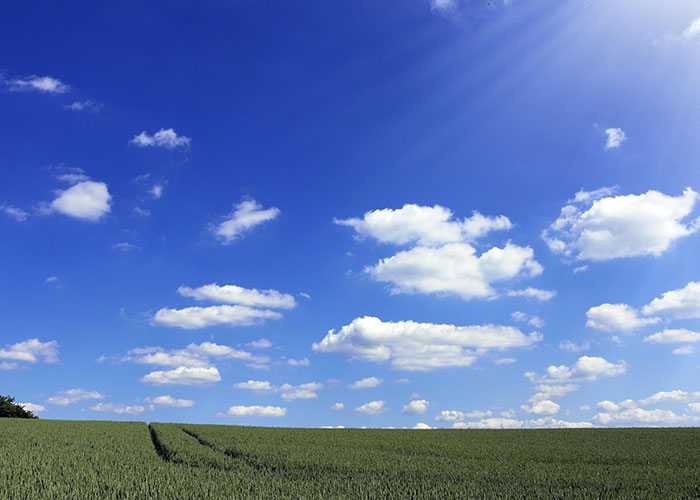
column 446, row 214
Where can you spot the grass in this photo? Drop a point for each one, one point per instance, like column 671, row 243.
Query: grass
column 116, row 460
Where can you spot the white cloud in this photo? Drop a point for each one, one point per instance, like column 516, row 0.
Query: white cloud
column 443, row 6
column 684, row 350
column 567, row 345
column 366, row 383
column 72, row 175
column 88, row 200
column 157, row 190
column 288, row 392
column 194, row 355
column 421, row 346
column 4, row 365
column 547, row 422
column 675, row 396
column 303, row 391
column 458, row 416
column 32, row 407
column 441, row 259
column 416, row 407
column 38, row 83
column 164, row 138
column 615, row 138
column 255, row 411
column 258, row 386
column 455, row 268
column 121, row 408
column 31, row 351
column 260, row 344
column 674, row 336
column 183, row 375
column 245, row 217
column 84, row 106
column 422, row 225
column 51, row 279
column 504, row 361
column 693, row 30
column 191, row 318
column 601, row 228
column 298, row 362
column 402, row 381
column 72, row 396
column 586, row 369
column 125, row 246
column 533, row 293
column 16, row 213
column 544, row 407
column 683, row 303
column 168, row 400
column 535, row 321
column 656, row 416
column 421, row 426
column 545, row 392
column 232, row 294
column 616, row 317
column 372, row 408
column 337, row 406
column 694, row 407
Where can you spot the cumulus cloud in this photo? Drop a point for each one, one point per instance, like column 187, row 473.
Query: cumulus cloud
column 421, row 346
column 586, row 369
column 88, row 200
column 72, row 396
column 675, row 396
column 455, row 268
column 614, row 138
column 183, row 375
column 684, row 350
column 547, row 422
column 683, row 303
column 35, row 83
column 31, row 351
column 157, row 191
column 535, row 321
column 121, row 408
column 596, row 226
column 290, row 392
column 192, row 318
column 443, row 6
column 674, row 336
column 441, row 258
column 32, row 407
column 616, row 317
column 421, row 426
column 459, row 416
column 167, row 400
column 164, row 138
column 366, row 383
column 544, row 407
column 246, row 215
column 194, row 355
column 545, row 392
column 337, row 406
column 232, row 294
column 257, row 386
column 533, row 293
column 16, row 213
column 255, row 411
column 415, row 407
column 640, row 415
column 372, row 408
column 422, row 225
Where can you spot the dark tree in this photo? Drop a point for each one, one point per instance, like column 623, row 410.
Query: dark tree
column 10, row 409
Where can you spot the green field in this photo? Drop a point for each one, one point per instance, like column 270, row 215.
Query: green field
column 45, row 459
